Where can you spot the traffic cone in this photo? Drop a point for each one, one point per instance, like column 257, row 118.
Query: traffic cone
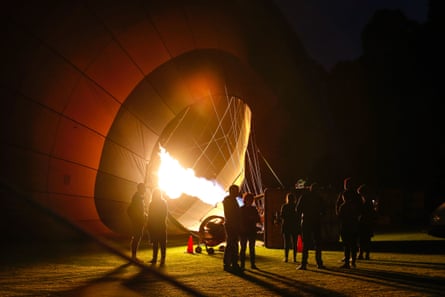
column 190, row 245
column 299, row 244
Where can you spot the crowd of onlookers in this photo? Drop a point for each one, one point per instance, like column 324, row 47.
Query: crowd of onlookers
column 301, row 216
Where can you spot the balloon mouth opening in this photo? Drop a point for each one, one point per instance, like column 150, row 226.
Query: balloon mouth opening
column 201, row 152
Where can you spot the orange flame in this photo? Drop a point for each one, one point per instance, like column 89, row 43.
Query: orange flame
column 176, row 180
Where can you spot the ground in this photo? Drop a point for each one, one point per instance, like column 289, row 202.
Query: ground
column 402, row 264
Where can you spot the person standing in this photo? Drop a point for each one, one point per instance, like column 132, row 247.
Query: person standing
column 136, row 211
column 349, row 211
column 289, row 226
column 157, row 225
column 248, row 230
column 232, row 222
column 366, row 224
column 310, row 211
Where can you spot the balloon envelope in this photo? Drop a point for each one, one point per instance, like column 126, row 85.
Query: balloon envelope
column 91, row 91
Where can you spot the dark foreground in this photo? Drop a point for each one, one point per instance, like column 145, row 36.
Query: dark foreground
column 404, row 264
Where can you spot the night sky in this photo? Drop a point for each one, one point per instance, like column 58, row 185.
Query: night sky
column 330, row 30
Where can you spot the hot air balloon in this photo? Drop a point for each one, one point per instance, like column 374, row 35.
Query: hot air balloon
column 93, row 92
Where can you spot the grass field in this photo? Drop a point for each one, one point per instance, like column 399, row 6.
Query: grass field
column 404, row 264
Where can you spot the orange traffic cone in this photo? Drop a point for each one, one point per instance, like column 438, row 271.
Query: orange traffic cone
column 190, row 245
column 299, row 244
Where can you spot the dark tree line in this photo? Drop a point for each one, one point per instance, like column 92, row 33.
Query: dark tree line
column 385, row 107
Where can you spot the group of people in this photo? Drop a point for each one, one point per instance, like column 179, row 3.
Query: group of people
column 152, row 218
column 356, row 214
column 303, row 216
column 240, row 224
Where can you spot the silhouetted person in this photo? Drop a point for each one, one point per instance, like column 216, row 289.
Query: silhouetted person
column 349, row 212
column 310, row 209
column 157, row 225
column 136, row 211
column 248, row 230
column 232, row 222
column 366, row 224
column 289, row 226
